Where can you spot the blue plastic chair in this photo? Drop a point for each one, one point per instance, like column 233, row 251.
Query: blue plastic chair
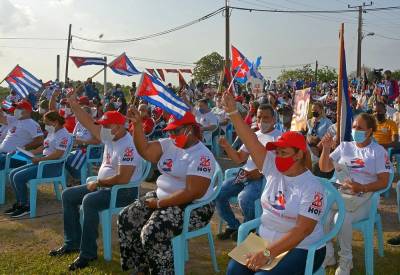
column 4, row 178
column 332, row 196
column 180, row 242
column 86, row 169
column 106, row 215
column 367, row 226
column 229, row 133
column 61, row 179
column 398, row 198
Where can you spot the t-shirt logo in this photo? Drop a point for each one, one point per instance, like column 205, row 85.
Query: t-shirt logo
column 357, row 164
column 167, row 165
column 280, row 201
column 64, row 142
column 205, row 164
column 317, row 204
column 387, row 162
column 128, row 154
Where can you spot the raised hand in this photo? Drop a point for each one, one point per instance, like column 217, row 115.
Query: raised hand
column 223, row 142
column 133, row 115
column 228, row 102
column 328, row 142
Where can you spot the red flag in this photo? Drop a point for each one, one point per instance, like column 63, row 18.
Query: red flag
column 188, row 71
column 161, row 74
column 228, row 79
column 182, row 82
column 171, row 70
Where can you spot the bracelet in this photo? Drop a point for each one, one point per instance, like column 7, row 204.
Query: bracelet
column 158, row 203
column 232, row 113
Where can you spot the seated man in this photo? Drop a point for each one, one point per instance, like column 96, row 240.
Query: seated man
column 22, row 132
column 147, row 121
column 248, row 184
column 207, row 120
column 387, row 133
column 118, row 167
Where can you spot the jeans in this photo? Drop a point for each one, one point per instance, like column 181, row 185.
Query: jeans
column 248, row 193
column 13, row 162
column 294, row 263
column 85, row 237
column 20, row 176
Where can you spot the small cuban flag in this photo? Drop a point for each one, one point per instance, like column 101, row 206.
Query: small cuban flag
column 123, row 66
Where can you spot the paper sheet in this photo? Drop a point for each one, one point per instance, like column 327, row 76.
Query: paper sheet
column 27, row 153
column 253, row 243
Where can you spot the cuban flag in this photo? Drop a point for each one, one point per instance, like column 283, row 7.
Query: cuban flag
column 77, row 159
column 7, row 105
column 23, row 81
column 254, row 72
column 85, row 61
column 346, row 120
column 122, row 65
column 156, row 93
column 240, row 65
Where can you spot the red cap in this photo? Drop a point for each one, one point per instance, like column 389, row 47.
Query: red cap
column 289, row 139
column 239, row 98
column 84, row 100
column 174, row 123
column 24, row 105
column 112, row 117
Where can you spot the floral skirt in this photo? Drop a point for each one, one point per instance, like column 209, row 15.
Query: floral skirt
column 145, row 234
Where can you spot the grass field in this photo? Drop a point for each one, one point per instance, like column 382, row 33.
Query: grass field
column 24, row 244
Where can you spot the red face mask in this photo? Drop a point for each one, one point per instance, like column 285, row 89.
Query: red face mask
column 179, row 140
column 284, row 164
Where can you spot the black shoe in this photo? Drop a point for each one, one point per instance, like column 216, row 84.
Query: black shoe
column 11, row 210
column 61, row 251
column 21, row 211
column 227, row 234
column 80, row 263
column 394, row 241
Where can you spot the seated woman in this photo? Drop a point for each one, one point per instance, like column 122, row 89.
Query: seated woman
column 291, row 191
column 369, row 167
column 146, row 226
column 57, row 141
column 77, row 158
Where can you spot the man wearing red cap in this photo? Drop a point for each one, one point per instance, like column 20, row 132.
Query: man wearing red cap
column 119, row 166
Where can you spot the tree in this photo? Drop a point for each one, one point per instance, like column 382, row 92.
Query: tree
column 305, row 73
column 326, row 75
column 208, row 68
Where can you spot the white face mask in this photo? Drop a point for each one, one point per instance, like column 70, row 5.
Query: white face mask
column 18, row 113
column 50, row 129
column 105, row 135
column 94, row 112
column 264, row 127
column 42, row 111
column 67, row 112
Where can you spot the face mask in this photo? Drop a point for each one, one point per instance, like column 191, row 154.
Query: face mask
column 117, row 104
column 358, row 136
column 105, row 135
column 284, row 164
column 380, row 117
column 202, row 111
column 94, row 112
column 67, row 112
column 50, row 129
column 42, row 111
column 179, row 140
column 284, row 119
column 18, row 113
column 264, row 127
column 315, row 114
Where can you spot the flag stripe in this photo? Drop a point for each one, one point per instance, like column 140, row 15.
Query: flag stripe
column 155, row 100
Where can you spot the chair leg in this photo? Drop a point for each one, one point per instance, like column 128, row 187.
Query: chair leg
column 220, row 225
column 3, row 181
column 178, row 250
column 368, row 251
column 84, row 173
column 380, row 235
column 32, row 199
column 105, row 219
column 212, row 250
column 57, row 190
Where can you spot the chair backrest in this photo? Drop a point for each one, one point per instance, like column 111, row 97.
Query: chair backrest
column 145, row 170
column 69, row 147
column 377, row 195
column 92, row 147
column 231, row 172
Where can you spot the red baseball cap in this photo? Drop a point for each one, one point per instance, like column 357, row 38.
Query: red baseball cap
column 288, row 139
column 24, row 105
column 112, row 117
column 84, row 100
column 174, row 123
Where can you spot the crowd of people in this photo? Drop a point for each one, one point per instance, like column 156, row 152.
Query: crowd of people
column 279, row 167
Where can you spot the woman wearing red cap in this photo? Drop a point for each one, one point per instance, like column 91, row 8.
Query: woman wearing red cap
column 291, row 191
column 147, row 226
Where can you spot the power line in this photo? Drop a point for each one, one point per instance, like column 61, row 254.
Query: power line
column 314, row 11
column 205, row 17
column 387, row 37
column 33, row 38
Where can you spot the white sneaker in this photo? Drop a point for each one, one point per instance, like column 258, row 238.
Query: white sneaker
column 329, row 261
column 344, row 268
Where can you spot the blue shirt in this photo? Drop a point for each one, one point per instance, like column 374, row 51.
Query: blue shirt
column 320, row 128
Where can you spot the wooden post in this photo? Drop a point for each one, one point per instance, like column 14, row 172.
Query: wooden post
column 340, row 85
column 68, row 48
column 58, row 68
column 105, row 75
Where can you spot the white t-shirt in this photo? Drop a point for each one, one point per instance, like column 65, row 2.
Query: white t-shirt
column 4, row 129
column 56, row 141
column 120, row 152
column 221, row 115
column 363, row 163
column 285, row 198
column 206, row 120
column 81, row 132
column 176, row 163
column 20, row 133
column 264, row 139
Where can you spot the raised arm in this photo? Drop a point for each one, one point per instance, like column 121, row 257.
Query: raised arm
column 150, row 151
column 53, row 101
column 325, row 162
column 247, row 136
column 84, row 118
column 237, row 157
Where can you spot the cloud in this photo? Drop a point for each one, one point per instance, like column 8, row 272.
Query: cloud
column 14, row 17
column 61, row 2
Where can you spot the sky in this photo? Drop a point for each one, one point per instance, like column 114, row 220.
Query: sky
column 283, row 40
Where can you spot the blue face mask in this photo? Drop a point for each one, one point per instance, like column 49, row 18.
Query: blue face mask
column 202, row 111
column 358, row 136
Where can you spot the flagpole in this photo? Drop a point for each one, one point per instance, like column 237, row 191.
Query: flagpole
column 133, row 100
column 9, row 73
column 237, row 71
column 340, row 85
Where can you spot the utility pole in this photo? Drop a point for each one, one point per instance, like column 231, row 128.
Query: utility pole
column 105, row 75
column 68, row 48
column 227, row 39
column 58, row 68
column 360, row 34
column 316, row 71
